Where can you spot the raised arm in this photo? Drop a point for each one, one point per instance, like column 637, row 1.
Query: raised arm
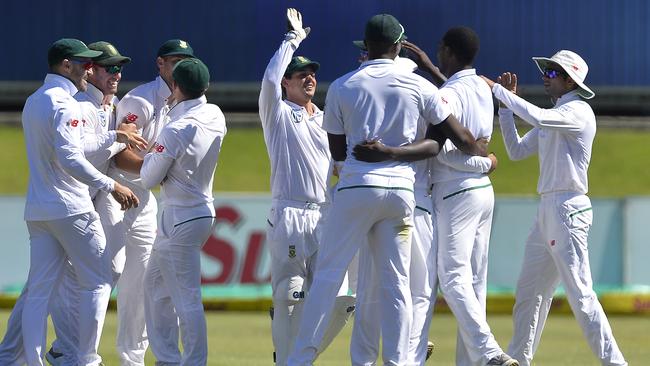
column 424, row 63
column 270, row 99
column 518, row 148
column 555, row 118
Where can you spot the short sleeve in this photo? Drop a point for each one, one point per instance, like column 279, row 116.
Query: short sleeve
column 135, row 109
column 332, row 118
column 435, row 108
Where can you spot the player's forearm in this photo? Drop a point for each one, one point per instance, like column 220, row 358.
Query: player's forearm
column 154, row 169
column 75, row 164
column 436, row 76
column 516, row 147
column 97, row 142
column 419, row 150
column 129, row 161
column 458, row 160
column 338, row 146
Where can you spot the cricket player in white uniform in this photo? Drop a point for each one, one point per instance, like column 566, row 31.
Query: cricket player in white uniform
column 131, row 234
column 556, row 249
column 366, row 334
column 300, row 162
column 183, row 160
column 463, row 201
column 378, row 104
column 101, row 143
column 61, row 219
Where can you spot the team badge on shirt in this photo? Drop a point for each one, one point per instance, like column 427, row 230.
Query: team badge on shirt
column 292, row 251
column 103, row 117
column 296, row 116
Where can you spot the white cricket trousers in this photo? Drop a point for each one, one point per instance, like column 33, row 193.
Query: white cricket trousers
column 292, row 235
column 172, row 286
column 11, row 348
column 80, row 239
column 364, row 345
column 463, row 210
column 557, row 252
column 129, row 238
column 357, row 212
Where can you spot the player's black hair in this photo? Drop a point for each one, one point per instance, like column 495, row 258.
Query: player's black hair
column 376, row 48
column 191, row 94
column 463, row 43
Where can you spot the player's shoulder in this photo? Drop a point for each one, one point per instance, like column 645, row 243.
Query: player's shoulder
column 135, row 102
column 143, row 91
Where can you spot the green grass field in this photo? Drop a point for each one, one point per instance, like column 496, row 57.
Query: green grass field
column 244, row 339
column 617, row 169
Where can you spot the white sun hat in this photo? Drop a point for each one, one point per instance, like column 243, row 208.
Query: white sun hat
column 573, row 65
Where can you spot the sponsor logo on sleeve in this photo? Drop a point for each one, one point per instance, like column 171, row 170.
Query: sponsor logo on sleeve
column 158, row 147
column 131, row 117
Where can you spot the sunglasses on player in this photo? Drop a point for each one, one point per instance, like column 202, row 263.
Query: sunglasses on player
column 113, row 69
column 87, row 65
column 552, row 74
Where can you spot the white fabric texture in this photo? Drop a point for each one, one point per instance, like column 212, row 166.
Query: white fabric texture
column 556, row 248
column 59, row 173
column 356, row 215
column 360, row 106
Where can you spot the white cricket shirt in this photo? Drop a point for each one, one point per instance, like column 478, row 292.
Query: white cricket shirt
column 380, row 101
column 146, row 106
column 99, row 129
column 562, row 136
column 295, row 141
column 185, row 154
column 470, row 101
column 59, row 174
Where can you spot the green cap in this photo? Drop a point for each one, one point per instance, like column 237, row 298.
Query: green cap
column 299, row 63
column 175, row 47
column 384, row 28
column 110, row 55
column 360, row 44
column 68, row 47
column 191, row 74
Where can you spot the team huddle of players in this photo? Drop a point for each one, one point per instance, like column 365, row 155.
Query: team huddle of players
column 410, row 211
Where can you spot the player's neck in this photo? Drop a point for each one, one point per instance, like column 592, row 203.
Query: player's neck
column 305, row 103
column 454, row 68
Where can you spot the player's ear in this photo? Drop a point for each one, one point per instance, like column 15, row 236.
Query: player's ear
column 159, row 62
column 284, row 82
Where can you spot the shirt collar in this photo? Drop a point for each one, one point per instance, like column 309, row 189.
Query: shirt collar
column 461, row 74
column 163, row 89
column 568, row 97
column 295, row 106
column 56, row 80
column 377, row 61
column 95, row 95
column 185, row 106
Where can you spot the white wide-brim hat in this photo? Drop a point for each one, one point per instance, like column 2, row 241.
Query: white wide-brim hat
column 573, row 65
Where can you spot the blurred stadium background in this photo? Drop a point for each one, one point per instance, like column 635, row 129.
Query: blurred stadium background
column 236, row 40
